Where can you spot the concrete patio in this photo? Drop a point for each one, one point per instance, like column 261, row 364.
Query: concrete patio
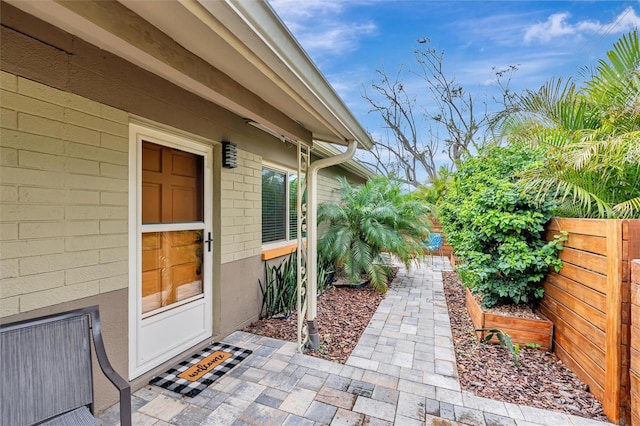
column 401, row 372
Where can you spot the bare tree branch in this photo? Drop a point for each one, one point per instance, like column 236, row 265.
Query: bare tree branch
column 395, row 107
column 412, row 151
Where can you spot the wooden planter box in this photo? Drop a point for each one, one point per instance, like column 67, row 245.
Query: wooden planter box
column 521, row 330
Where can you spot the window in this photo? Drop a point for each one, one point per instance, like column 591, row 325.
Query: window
column 279, row 199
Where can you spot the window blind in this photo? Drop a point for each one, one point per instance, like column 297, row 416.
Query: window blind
column 274, row 205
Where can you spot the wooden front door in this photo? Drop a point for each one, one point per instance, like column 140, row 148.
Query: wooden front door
column 173, row 287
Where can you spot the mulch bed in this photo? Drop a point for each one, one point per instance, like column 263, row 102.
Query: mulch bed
column 487, row 370
column 343, row 314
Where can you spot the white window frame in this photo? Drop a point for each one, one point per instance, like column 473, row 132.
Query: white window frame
column 288, row 240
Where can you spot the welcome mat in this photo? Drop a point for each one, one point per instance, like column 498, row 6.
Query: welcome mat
column 194, row 375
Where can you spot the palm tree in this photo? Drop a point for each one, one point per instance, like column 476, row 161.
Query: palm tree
column 436, row 188
column 371, row 218
column 590, row 137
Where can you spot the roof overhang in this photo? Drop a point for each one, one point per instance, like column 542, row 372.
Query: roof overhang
column 235, row 53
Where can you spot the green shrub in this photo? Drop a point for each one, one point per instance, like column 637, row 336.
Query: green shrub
column 497, row 228
column 280, row 289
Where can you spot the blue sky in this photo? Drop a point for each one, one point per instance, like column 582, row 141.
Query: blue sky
column 349, row 39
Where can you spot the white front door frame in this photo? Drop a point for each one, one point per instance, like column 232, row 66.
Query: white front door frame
column 158, row 338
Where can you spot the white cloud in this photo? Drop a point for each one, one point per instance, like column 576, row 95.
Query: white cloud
column 333, row 38
column 294, row 10
column 322, row 26
column 497, row 28
column 555, row 26
column 627, row 21
column 558, row 25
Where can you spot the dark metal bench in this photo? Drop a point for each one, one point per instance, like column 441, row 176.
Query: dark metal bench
column 45, row 368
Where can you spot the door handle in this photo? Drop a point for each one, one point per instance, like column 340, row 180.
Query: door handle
column 208, row 241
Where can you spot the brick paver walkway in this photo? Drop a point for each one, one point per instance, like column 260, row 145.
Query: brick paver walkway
column 401, row 372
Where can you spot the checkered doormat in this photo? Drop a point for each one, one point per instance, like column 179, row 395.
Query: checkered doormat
column 194, row 375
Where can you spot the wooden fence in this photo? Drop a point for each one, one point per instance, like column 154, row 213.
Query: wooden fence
column 634, row 368
column 589, row 303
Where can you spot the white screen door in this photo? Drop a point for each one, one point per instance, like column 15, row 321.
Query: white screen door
column 170, row 285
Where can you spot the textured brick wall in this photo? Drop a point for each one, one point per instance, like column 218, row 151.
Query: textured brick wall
column 63, row 196
column 242, row 208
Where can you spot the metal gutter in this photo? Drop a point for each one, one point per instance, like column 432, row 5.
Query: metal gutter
column 325, row 149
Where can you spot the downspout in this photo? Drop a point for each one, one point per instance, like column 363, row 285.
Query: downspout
column 312, row 237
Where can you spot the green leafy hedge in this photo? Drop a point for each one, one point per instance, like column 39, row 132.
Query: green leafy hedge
column 497, row 229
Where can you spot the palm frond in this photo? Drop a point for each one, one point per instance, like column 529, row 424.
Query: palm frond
column 331, row 212
column 566, row 190
column 629, row 209
column 615, row 83
column 607, row 151
column 378, row 276
column 589, row 136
